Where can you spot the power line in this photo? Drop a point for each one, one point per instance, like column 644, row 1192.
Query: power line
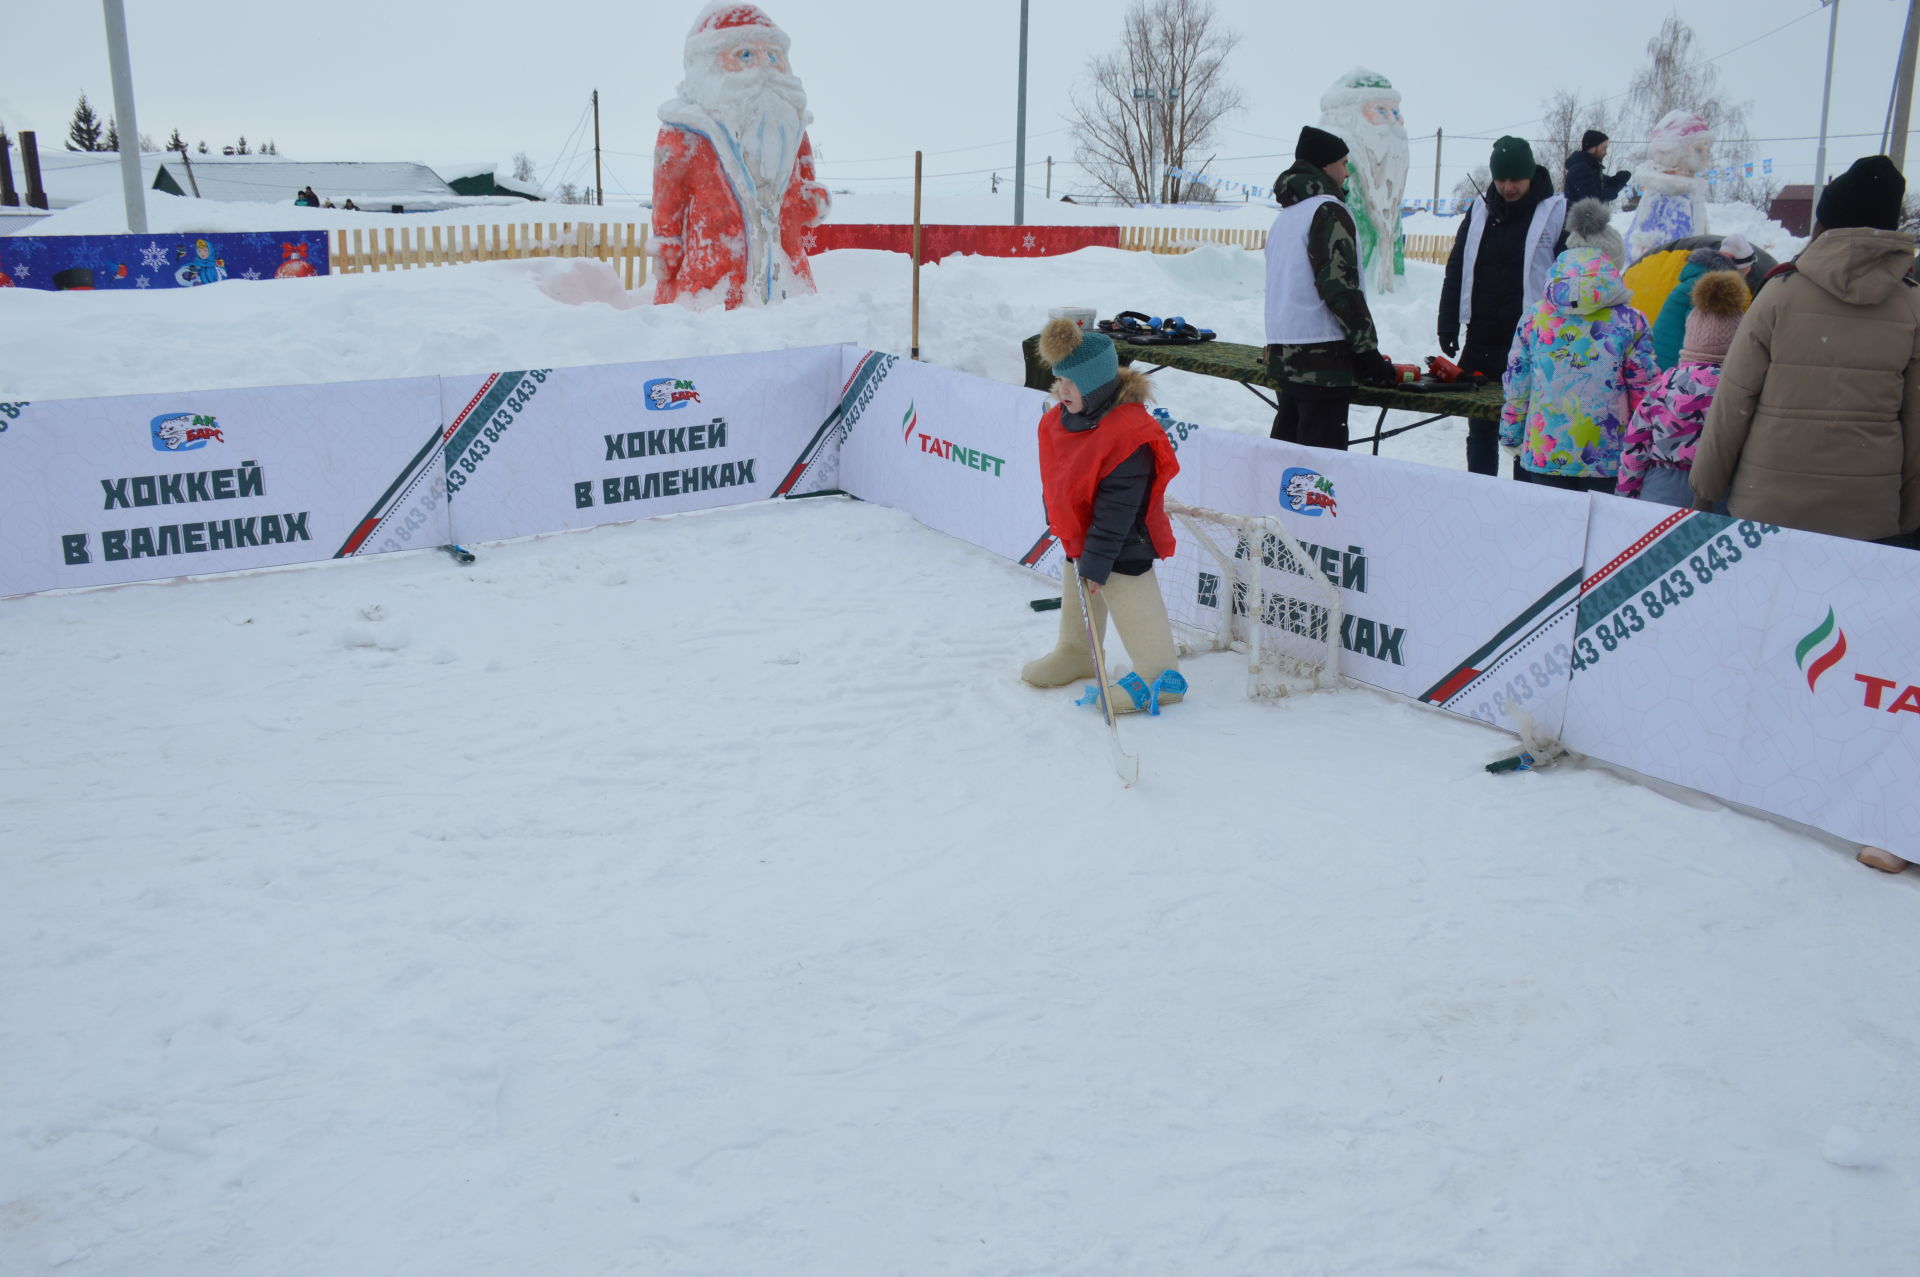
column 1690, row 67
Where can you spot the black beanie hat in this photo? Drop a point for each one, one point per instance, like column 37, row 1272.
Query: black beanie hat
column 1868, row 194
column 1319, row 147
column 1591, row 138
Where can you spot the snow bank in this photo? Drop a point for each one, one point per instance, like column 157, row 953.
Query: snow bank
column 561, row 914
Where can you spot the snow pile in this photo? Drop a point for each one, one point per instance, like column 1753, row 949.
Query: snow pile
column 562, row 914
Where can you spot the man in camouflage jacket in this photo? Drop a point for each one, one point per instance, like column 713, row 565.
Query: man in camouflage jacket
column 1320, row 334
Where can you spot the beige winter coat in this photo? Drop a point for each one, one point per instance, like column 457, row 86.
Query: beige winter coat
column 1817, row 421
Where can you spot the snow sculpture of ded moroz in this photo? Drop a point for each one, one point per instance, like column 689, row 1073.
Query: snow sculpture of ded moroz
column 1674, row 200
column 733, row 185
column 1363, row 108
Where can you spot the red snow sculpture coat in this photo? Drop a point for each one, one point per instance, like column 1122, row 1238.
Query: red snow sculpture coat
column 698, row 208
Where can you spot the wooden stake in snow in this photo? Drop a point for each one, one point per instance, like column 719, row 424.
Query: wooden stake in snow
column 916, row 256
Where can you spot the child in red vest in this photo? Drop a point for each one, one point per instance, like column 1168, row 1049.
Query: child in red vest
column 1104, row 468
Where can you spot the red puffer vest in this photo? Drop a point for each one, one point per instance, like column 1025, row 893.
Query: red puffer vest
column 1072, row 464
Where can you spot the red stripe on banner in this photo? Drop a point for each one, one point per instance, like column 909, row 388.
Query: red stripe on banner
column 1449, row 689
column 360, row 534
column 1658, row 530
column 937, row 242
column 1827, row 662
column 1039, row 550
column 485, row 386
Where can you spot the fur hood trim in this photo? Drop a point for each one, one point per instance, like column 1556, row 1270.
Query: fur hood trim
column 1134, row 388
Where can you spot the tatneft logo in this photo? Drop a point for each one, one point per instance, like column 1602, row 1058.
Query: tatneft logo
column 664, row 394
column 184, row 432
column 1307, row 492
column 946, row 449
column 1874, row 695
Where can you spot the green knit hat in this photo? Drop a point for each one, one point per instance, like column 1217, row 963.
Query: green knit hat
column 1512, row 160
column 1092, row 364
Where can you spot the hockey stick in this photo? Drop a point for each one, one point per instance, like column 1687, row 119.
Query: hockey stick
column 1125, row 765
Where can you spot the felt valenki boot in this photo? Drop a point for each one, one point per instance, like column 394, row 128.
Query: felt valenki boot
column 1140, row 615
column 1071, row 659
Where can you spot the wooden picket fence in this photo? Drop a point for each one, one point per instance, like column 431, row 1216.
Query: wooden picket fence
column 1184, row 239
column 624, row 244
column 1174, row 239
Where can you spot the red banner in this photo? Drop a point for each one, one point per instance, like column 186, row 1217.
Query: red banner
column 937, row 242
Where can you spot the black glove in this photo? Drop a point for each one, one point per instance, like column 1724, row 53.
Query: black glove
column 1625, row 176
column 1375, row 369
column 1450, row 344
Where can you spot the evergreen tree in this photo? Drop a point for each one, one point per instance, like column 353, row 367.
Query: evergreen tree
column 240, row 147
column 113, row 137
column 177, row 143
column 202, row 148
column 83, row 134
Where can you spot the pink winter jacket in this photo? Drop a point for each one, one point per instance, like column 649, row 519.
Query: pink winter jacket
column 1666, row 426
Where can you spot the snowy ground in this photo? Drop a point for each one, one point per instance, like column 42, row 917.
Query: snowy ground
column 707, row 895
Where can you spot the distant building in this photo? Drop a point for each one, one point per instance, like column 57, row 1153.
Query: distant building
column 1793, row 209
column 74, row 177
column 484, row 179
column 253, row 179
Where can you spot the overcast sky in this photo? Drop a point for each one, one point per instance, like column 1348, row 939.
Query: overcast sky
column 388, row 79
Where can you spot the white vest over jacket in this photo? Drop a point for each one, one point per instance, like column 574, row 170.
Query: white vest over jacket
column 1295, row 314
column 1549, row 219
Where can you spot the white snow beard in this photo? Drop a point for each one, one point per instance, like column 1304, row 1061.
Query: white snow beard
column 1383, row 159
column 763, row 113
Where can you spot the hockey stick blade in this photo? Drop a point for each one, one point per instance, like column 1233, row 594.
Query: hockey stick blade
column 1126, row 766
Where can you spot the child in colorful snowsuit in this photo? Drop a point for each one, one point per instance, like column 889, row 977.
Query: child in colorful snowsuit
column 1578, row 367
column 1666, row 427
column 1104, row 468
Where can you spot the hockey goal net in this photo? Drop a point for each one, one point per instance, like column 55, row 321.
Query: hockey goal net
column 1242, row 583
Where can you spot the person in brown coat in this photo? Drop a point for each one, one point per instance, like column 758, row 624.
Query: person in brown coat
column 1817, row 421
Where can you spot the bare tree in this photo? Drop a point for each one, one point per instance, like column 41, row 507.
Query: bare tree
column 1677, row 77
column 1563, row 122
column 523, row 166
column 1472, row 186
column 1155, row 100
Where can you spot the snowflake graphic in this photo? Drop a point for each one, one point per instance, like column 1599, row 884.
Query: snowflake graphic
column 141, row 281
column 250, row 274
column 810, row 242
column 1027, row 242
column 23, row 270
column 258, row 239
column 153, row 257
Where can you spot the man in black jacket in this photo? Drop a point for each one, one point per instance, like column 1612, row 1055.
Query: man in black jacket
column 1584, row 179
column 1496, row 272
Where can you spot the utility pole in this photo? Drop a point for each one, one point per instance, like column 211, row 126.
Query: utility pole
column 599, row 195
column 116, row 16
column 192, row 181
column 1020, row 141
column 1439, row 140
column 1049, row 177
column 1826, row 101
column 1903, row 88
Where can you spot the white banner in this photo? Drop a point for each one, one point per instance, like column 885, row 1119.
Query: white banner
column 546, row 450
column 958, row 453
column 1779, row 669
column 141, row 487
column 1459, row 590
